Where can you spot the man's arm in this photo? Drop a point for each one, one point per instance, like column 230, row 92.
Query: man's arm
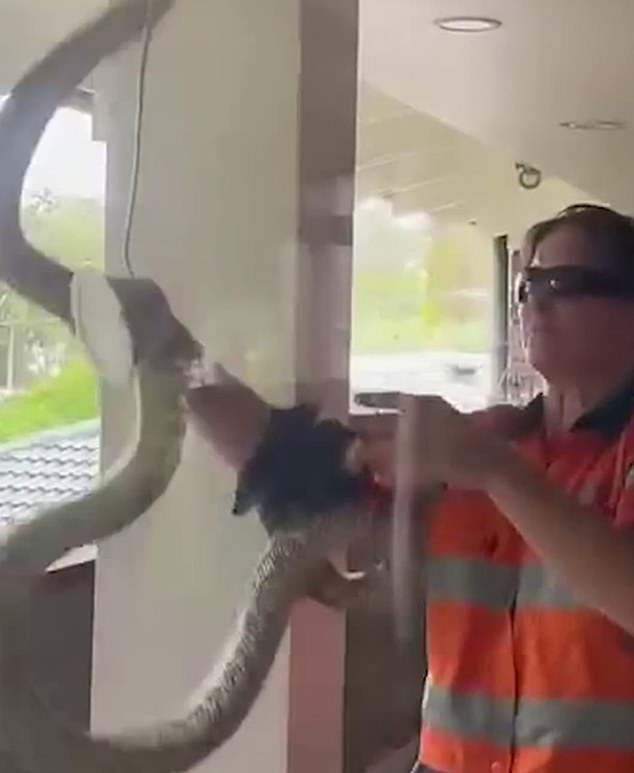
column 590, row 551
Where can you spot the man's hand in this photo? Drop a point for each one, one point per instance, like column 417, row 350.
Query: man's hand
column 378, row 431
column 438, row 443
column 376, row 449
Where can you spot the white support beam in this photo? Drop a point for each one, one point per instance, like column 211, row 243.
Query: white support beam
column 239, row 131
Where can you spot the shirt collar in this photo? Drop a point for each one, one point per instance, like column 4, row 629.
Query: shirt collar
column 608, row 418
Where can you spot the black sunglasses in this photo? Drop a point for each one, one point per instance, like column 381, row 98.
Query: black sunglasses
column 545, row 284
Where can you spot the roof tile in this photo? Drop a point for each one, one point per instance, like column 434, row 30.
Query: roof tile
column 47, row 467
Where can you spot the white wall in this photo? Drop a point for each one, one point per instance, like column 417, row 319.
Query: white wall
column 216, row 216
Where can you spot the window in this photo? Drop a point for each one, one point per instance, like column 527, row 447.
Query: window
column 430, row 202
column 45, row 379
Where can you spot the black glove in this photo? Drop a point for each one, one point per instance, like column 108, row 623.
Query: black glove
column 298, row 469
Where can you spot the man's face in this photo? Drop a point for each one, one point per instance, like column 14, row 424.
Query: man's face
column 568, row 339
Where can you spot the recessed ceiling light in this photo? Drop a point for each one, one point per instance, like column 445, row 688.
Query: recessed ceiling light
column 467, row 24
column 588, row 126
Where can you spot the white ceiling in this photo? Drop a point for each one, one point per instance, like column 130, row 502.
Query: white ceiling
column 551, row 61
column 420, row 165
column 29, row 28
column 430, row 93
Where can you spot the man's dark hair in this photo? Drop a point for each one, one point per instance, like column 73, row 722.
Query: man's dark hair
column 610, row 233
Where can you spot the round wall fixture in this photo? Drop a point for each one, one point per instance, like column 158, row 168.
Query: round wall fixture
column 601, row 125
column 467, row 24
column 528, row 177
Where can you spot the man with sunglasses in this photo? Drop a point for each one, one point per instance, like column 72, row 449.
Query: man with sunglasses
column 530, row 583
column 530, row 549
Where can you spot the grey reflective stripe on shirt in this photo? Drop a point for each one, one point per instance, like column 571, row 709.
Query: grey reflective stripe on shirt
column 471, row 580
column 540, row 587
column 473, row 716
column 495, row 585
column 537, row 722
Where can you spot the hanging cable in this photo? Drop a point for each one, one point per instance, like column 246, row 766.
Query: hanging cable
column 138, row 131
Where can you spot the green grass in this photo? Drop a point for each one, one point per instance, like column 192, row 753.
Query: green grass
column 392, row 311
column 68, row 398
column 379, row 335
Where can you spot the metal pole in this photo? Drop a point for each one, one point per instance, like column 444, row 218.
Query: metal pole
column 501, row 299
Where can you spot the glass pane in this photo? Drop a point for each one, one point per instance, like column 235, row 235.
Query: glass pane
column 45, row 379
column 49, row 400
column 430, row 201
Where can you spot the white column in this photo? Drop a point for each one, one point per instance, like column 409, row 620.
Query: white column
column 216, row 224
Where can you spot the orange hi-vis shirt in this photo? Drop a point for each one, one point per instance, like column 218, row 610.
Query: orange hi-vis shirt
column 522, row 676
